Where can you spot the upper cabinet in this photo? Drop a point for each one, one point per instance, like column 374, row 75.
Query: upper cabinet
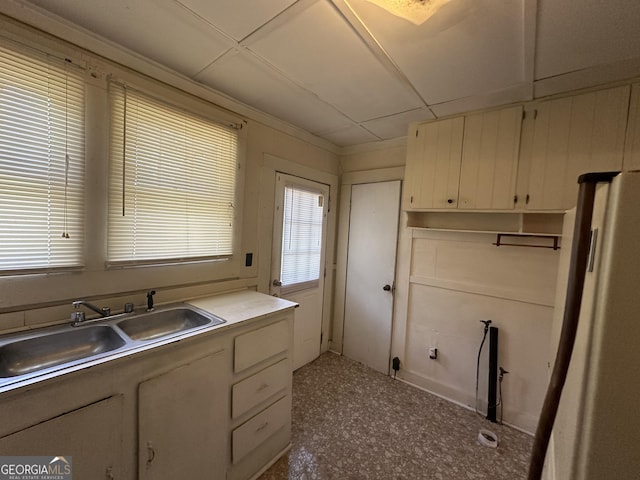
column 434, row 152
column 566, row 138
column 464, row 162
column 490, row 159
column 632, row 143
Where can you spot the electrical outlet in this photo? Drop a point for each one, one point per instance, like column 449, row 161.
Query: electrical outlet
column 433, row 353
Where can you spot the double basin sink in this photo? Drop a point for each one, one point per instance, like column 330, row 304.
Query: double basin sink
column 28, row 355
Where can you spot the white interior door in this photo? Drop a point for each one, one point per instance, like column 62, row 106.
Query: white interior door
column 298, row 258
column 371, row 263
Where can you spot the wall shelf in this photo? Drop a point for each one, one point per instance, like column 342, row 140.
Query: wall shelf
column 513, row 223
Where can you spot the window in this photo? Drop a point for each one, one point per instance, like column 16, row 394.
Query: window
column 302, row 224
column 41, row 162
column 172, row 182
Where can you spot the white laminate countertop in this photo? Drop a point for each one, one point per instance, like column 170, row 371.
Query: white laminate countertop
column 242, row 305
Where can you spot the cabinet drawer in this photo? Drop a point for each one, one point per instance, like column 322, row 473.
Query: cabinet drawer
column 260, row 344
column 248, row 436
column 257, row 388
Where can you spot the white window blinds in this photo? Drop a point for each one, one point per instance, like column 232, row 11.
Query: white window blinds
column 301, row 238
column 41, row 162
column 172, row 182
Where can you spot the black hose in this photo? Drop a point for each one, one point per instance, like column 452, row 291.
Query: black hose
column 484, row 337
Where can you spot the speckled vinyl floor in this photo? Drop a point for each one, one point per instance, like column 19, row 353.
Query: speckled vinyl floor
column 351, row 422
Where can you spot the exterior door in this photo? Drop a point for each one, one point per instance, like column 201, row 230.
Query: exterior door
column 371, row 263
column 298, row 258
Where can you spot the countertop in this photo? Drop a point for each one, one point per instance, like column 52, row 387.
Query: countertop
column 242, row 305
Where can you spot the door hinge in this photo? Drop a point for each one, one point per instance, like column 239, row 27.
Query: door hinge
column 515, row 199
column 321, row 337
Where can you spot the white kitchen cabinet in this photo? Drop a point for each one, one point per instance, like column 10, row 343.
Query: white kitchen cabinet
column 260, row 344
column 257, row 388
column 434, row 153
column 181, row 415
column 632, row 142
column 465, row 163
column 90, row 436
column 490, row 159
column 572, row 136
column 261, row 395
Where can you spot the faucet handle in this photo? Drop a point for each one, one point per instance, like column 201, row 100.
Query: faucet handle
column 78, row 316
column 150, row 295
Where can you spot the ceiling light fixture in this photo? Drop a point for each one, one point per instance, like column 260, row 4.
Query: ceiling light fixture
column 416, row 11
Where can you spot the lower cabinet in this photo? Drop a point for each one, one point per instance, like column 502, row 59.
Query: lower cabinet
column 261, row 396
column 181, row 415
column 89, row 437
column 214, row 406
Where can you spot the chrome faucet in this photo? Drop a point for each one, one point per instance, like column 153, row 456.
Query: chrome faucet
column 78, row 316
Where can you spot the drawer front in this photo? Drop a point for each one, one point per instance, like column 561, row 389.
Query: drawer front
column 257, row 388
column 248, row 436
column 260, row 344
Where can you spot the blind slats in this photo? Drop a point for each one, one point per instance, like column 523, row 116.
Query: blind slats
column 301, row 237
column 172, row 182
column 41, row 122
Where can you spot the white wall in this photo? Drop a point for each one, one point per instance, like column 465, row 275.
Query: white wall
column 458, row 279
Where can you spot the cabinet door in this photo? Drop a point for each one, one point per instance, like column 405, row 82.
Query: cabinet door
column 182, row 421
column 632, row 143
column 433, row 164
column 572, row 136
column 91, row 436
column 489, row 159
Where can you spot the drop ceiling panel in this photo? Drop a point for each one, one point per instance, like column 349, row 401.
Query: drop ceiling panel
column 396, row 125
column 583, row 33
column 158, row 29
column 320, row 51
column 467, row 48
column 353, row 135
column 254, row 83
column 237, row 18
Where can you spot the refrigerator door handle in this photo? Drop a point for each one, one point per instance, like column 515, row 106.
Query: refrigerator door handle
column 592, row 250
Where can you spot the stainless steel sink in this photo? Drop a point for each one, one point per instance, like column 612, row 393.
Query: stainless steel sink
column 162, row 323
column 27, row 355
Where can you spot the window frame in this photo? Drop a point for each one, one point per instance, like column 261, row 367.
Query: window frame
column 191, row 105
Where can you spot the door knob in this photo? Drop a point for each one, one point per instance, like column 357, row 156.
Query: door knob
column 387, row 288
column 277, row 283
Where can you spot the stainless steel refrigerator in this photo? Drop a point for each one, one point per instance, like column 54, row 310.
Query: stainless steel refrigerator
column 591, row 413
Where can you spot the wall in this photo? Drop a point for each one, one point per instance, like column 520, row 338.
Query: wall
column 29, row 301
column 446, row 282
column 458, row 279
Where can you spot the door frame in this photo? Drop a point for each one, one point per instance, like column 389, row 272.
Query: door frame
column 348, row 180
column 269, row 165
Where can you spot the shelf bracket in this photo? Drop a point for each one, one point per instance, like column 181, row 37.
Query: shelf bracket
column 500, row 243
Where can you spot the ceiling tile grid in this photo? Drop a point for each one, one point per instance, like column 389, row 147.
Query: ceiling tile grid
column 351, row 72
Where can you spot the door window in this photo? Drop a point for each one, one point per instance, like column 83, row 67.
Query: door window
column 301, row 239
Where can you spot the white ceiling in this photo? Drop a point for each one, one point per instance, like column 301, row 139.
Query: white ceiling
column 351, row 73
